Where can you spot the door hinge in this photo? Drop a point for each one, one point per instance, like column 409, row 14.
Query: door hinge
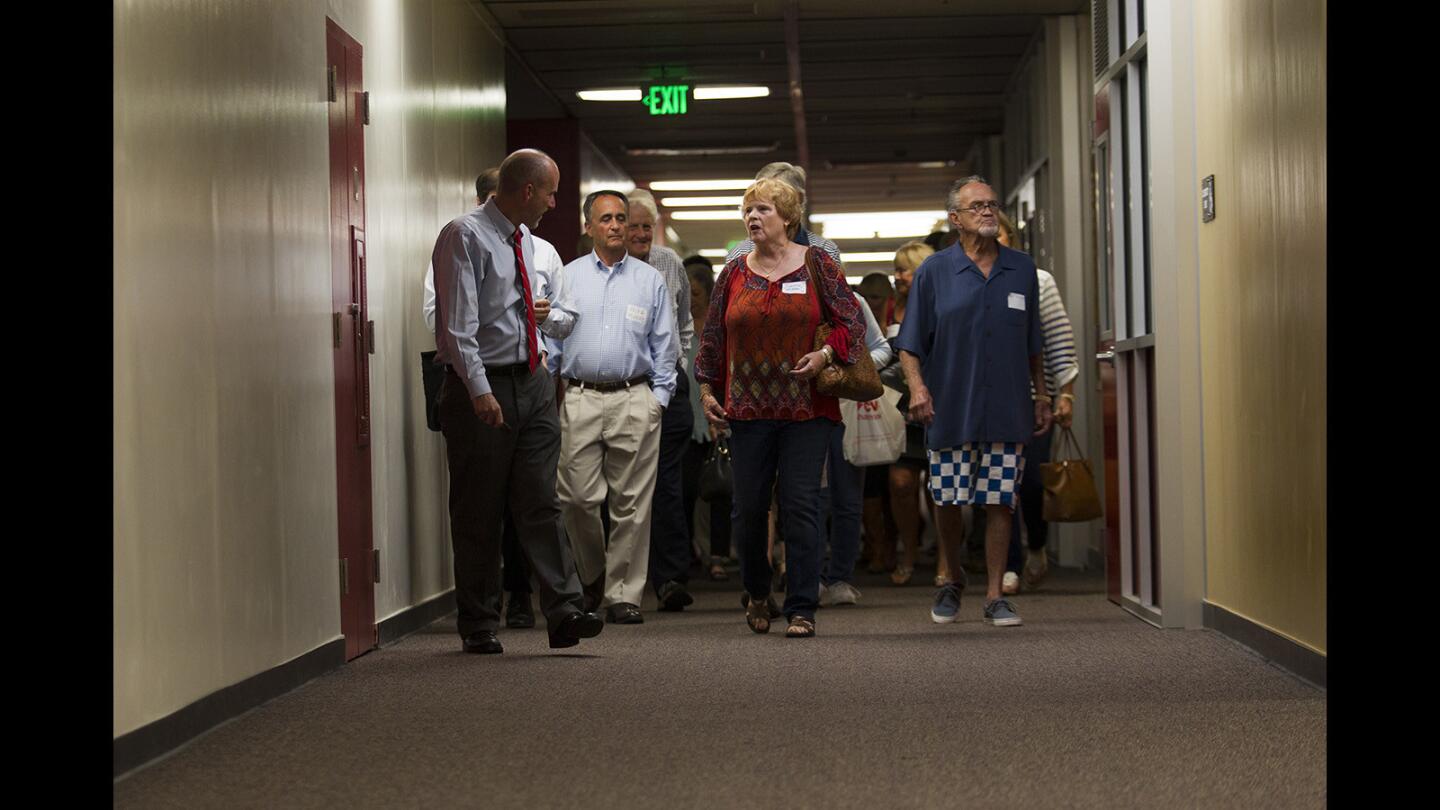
column 365, row 107
column 375, row 552
column 335, row 322
column 370, row 336
column 333, row 73
column 344, row 576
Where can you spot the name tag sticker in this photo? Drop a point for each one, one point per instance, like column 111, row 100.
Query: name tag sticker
column 1017, row 301
column 637, row 314
column 793, row 288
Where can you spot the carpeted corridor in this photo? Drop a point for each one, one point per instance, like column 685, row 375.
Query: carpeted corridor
column 1083, row 706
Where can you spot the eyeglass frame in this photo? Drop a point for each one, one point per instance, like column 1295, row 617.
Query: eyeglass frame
column 976, row 208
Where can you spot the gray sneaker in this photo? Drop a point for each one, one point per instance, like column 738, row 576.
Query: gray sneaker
column 1002, row 614
column 843, row 593
column 947, row 604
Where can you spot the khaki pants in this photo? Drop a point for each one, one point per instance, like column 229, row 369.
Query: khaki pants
column 609, row 446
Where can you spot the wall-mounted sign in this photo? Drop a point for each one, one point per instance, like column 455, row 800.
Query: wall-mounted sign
column 1207, row 198
column 667, row 99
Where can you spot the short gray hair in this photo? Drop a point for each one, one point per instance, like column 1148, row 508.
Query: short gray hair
column 604, row 192
column 952, row 200
column 787, row 173
column 645, row 200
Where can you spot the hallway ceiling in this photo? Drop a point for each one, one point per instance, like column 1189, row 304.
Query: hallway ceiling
column 886, row 86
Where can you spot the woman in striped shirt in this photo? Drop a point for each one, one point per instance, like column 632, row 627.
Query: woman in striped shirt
column 1061, row 369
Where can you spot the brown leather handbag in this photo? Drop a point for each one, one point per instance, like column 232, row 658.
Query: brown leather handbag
column 1070, row 494
column 859, row 380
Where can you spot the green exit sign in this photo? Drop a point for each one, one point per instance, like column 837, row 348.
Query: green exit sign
column 666, row 99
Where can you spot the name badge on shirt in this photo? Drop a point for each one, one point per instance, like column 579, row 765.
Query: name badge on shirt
column 637, row 314
column 793, row 288
column 1017, row 301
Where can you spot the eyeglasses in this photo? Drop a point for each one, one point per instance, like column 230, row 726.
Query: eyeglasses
column 979, row 207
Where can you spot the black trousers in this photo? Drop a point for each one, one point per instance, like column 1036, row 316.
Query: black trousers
column 669, row 522
column 495, row 469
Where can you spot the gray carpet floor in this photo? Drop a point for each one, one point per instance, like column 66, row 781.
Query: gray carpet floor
column 1083, row 706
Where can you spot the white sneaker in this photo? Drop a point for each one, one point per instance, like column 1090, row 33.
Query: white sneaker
column 1010, row 583
column 843, row 593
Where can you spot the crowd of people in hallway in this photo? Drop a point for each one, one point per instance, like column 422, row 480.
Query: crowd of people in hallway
column 581, row 404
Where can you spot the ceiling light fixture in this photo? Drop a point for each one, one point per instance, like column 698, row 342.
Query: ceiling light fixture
column 702, row 151
column 610, row 94
column 866, row 258
column 878, row 225
column 715, row 93
column 696, row 202
column 700, row 185
column 728, row 213
column 715, row 253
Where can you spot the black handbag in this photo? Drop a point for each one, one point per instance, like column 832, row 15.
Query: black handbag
column 432, row 376
column 717, row 480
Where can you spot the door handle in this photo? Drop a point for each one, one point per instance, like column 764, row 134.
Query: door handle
column 1107, row 356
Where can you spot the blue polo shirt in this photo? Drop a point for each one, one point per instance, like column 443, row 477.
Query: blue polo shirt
column 974, row 337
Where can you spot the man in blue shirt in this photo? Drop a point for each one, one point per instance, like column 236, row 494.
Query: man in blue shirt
column 497, row 407
column 612, row 339
column 970, row 347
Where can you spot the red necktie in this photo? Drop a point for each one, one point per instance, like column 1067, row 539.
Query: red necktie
column 524, row 275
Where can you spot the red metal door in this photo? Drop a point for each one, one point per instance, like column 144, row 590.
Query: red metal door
column 353, row 340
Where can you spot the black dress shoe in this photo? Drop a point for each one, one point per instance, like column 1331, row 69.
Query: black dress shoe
column 483, row 642
column 624, row 613
column 518, row 614
column 574, row 627
column 673, row 596
column 594, row 592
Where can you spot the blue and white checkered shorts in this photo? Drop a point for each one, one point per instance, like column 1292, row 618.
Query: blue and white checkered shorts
column 977, row 473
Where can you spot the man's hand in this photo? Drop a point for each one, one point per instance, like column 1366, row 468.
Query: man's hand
column 1043, row 417
column 810, row 365
column 542, row 310
column 488, row 409
column 1063, row 412
column 922, row 410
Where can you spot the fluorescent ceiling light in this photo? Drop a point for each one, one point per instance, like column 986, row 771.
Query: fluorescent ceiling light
column 715, row 253
column 729, row 213
column 696, row 202
column 861, row 258
column 741, row 91
column 878, row 225
column 701, row 151
column 611, row 94
column 700, row 185
column 672, row 235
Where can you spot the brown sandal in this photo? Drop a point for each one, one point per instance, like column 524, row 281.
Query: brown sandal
column 800, row 627
column 757, row 615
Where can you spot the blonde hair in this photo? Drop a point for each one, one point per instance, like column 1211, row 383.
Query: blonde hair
column 909, row 255
column 786, row 199
column 1007, row 229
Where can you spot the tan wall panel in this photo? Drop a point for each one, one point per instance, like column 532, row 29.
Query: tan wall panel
column 224, row 524
column 1260, row 73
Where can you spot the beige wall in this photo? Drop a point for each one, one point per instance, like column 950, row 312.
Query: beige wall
column 224, row 533
column 1260, row 103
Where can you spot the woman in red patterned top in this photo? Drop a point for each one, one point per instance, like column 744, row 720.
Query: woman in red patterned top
column 756, row 350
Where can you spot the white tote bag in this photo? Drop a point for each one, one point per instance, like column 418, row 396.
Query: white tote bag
column 874, row 430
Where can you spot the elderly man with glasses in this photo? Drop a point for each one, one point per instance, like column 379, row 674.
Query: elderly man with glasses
column 971, row 348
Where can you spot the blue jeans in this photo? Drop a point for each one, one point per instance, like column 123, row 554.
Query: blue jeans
column 762, row 453
column 846, row 486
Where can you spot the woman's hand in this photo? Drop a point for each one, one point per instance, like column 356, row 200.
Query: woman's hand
column 714, row 414
column 810, row 365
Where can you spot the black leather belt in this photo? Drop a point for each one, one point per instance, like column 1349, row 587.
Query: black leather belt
column 602, row 387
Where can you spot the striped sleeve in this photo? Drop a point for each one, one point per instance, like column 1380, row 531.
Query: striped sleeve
column 1061, row 365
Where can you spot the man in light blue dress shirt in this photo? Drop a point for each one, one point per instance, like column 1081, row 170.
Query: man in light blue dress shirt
column 497, row 407
column 611, row 335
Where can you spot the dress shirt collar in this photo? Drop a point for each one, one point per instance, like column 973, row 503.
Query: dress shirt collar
column 1005, row 259
column 600, row 263
column 503, row 226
